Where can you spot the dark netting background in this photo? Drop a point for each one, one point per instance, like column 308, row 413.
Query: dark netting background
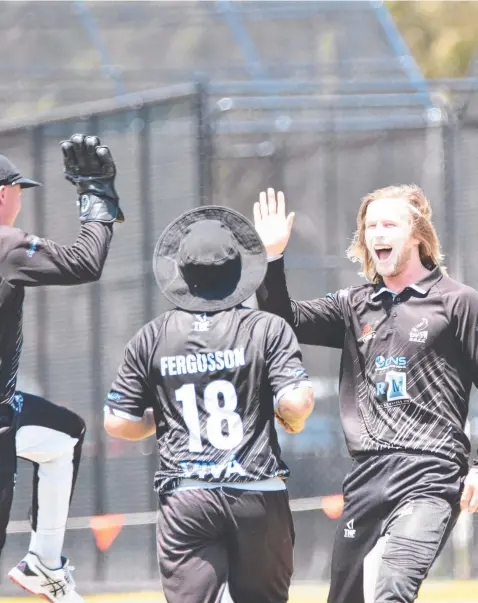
column 302, row 96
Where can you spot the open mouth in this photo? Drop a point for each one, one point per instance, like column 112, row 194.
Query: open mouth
column 383, row 252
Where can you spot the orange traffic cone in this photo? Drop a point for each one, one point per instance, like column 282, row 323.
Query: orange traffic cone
column 106, row 529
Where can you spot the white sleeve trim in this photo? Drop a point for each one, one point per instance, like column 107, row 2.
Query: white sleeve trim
column 121, row 414
column 272, row 258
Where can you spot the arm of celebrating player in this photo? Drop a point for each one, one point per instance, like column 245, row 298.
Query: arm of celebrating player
column 294, row 397
column 128, row 409
column 127, row 429
column 31, row 261
column 315, row 322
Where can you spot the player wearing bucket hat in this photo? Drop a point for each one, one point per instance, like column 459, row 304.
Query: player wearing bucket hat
column 207, row 378
column 209, row 259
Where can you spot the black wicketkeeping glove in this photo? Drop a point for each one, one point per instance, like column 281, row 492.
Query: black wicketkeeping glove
column 91, row 168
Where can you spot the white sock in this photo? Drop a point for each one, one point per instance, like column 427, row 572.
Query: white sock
column 46, row 545
column 54, row 490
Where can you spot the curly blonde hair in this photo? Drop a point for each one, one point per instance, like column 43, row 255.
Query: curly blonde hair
column 423, row 229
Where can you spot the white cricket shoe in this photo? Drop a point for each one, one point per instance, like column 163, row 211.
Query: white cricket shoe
column 56, row 586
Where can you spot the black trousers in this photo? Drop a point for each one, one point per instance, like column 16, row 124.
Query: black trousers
column 413, row 502
column 209, row 537
column 8, row 468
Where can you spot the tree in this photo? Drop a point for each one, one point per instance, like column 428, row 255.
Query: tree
column 442, row 36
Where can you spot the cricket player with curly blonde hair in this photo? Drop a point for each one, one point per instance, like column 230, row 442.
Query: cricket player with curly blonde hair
column 409, row 341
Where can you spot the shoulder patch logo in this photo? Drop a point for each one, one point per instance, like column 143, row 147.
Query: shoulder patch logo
column 32, row 247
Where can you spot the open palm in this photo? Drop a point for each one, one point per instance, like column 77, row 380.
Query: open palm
column 271, row 222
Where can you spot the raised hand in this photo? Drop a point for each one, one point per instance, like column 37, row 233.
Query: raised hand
column 89, row 166
column 271, row 222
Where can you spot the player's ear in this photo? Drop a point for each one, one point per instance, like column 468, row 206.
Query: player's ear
column 3, row 194
column 415, row 239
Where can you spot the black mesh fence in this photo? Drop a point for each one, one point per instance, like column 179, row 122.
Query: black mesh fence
column 76, row 51
column 196, row 144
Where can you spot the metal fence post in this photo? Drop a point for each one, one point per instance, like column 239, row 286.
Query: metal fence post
column 331, row 204
column 42, row 356
column 204, row 144
column 451, row 184
column 462, row 535
column 146, row 210
column 96, row 372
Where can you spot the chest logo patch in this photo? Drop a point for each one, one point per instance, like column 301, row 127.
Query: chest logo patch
column 419, row 333
column 368, row 332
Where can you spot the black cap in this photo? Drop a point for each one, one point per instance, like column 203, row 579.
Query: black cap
column 9, row 174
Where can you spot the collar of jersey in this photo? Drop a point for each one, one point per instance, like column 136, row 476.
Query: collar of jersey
column 422, row 287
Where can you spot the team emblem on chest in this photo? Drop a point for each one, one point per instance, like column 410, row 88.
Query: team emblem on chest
column 419, row 332
column 368, row 332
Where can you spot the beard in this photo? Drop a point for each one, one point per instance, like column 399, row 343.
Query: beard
column 394, row 264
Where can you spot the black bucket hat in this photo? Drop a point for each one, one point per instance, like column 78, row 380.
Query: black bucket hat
column 9, row 175
column 209, row 259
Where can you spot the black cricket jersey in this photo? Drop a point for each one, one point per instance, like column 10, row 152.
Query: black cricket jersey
column 408, row 360
column 211, row 381
column 30, row 261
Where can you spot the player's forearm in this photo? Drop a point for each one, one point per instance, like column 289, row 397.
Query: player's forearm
column 86, row 258
column 315, row 322
column 272, row 295
column 83, row 261
column 125, row 429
